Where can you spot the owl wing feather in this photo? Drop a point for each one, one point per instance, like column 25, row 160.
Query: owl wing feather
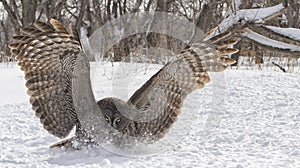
column 47, row 53
column 158, row 102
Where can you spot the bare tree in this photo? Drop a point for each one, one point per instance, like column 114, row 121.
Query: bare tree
column 92, row 14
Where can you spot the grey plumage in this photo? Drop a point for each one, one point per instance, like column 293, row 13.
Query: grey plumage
column 57, row 77
column 154, row 108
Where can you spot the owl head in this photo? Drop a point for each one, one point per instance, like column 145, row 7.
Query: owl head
column 113, row 110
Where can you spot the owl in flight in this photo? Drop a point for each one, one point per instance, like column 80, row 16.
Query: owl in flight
column 57, row 75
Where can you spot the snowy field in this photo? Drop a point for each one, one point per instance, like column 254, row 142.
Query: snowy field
column 258, row 125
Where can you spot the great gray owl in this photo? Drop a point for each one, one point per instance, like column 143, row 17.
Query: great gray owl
column 57, row 77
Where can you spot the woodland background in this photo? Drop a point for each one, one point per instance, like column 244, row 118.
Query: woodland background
column 91, row 14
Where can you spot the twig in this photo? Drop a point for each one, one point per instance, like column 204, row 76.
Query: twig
column 281, row 68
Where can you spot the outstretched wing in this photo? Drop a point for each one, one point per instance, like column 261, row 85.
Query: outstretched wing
column 158, row 102
column 46, row 53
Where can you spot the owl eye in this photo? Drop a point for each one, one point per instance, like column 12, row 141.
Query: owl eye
column 106, row 118
column 118, row 120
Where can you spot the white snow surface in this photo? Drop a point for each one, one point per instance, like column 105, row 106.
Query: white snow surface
column 259, row 125
column 292, row 33
column 269, row 42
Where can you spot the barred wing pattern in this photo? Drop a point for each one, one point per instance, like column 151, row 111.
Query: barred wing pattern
column 158, row 102
column 46, row 54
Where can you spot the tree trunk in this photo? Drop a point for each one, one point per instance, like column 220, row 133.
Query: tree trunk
column 28, row 12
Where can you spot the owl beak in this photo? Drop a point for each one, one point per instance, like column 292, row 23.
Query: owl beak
column 114, row 125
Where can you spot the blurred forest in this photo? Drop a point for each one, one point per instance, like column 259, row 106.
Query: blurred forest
column 91, row 14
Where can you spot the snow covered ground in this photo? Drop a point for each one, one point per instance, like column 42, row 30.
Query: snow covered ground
column 258, row 127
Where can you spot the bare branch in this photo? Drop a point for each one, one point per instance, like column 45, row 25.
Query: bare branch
column 12, row 15
column 28, row 12
column 4, row 43
column 136, row 6
column 68, row 10
column 79, row 19
column 148, row 5
column 115, row 9
column 15, row 7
